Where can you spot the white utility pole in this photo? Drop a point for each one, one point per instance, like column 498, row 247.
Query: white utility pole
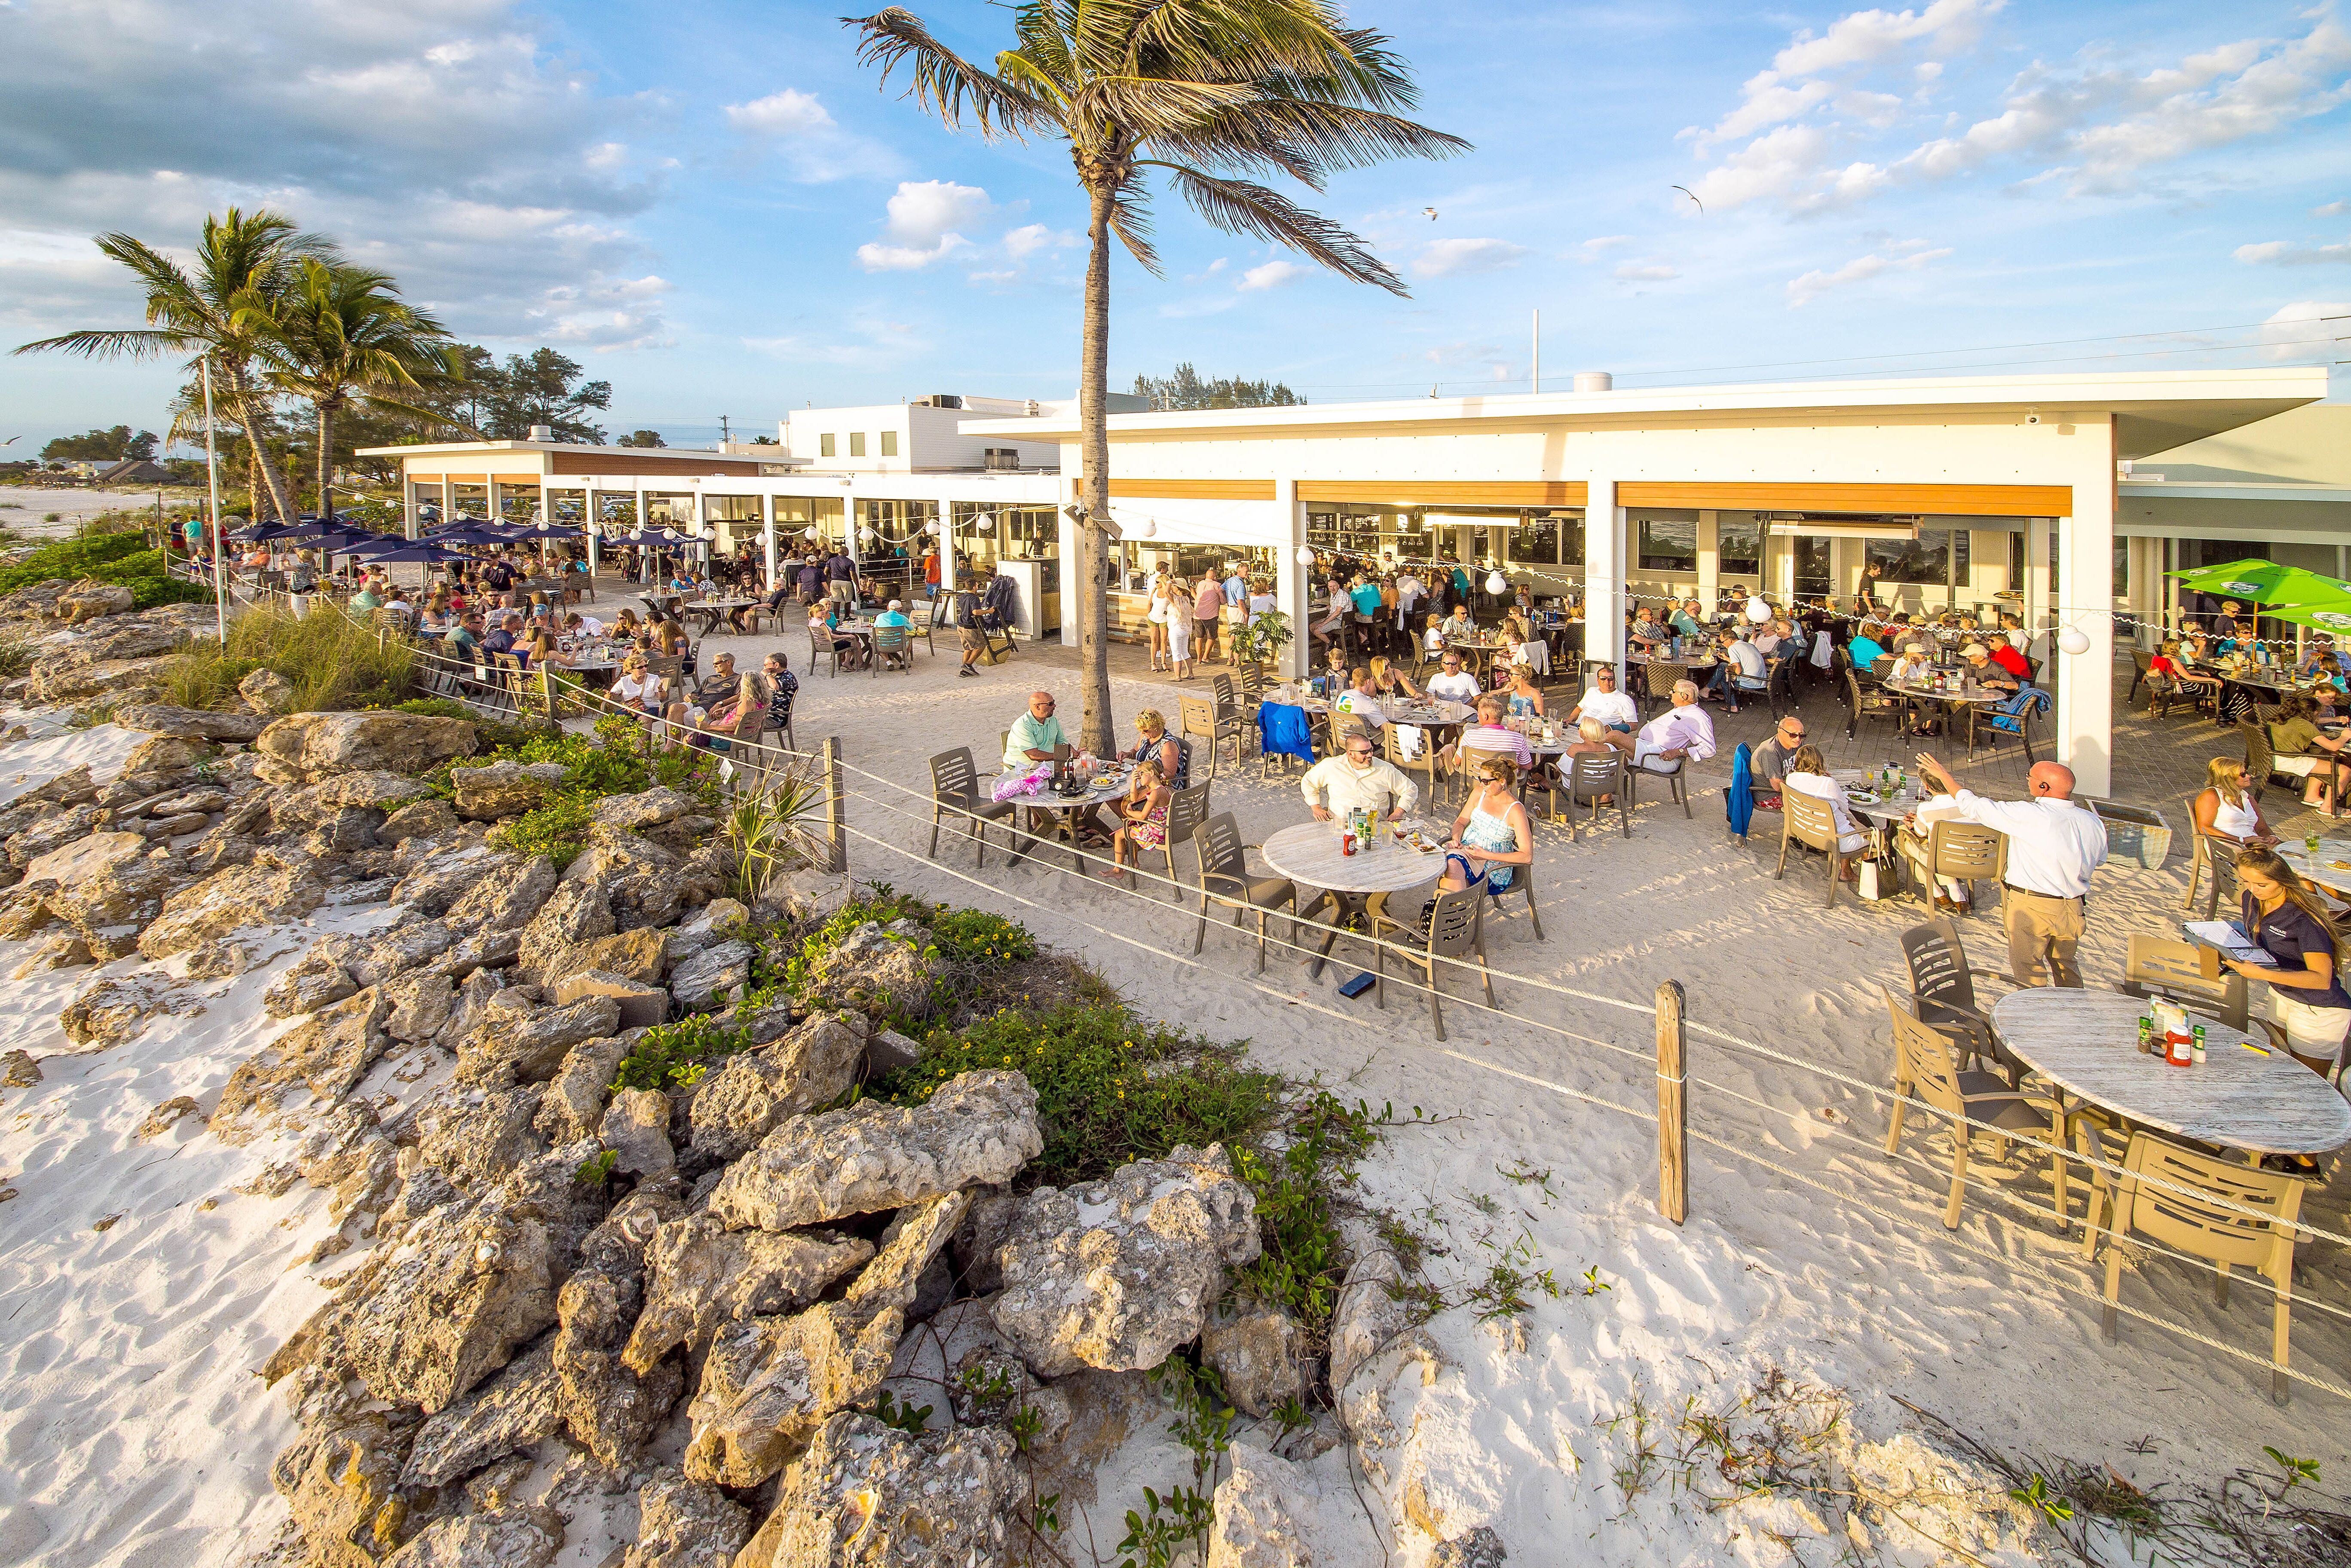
column 212, row 473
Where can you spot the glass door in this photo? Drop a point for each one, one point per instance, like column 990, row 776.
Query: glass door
column 1815, row 574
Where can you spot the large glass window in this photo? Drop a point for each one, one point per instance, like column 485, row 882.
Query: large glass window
column 795, row 515
column 1668, row 540
column 1738, row 544
column 892, row 528
column 1535, row 542
column 1936, row 557
column 1134, row 560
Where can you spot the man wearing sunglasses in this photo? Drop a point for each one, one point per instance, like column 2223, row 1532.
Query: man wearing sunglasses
column 1356, row 779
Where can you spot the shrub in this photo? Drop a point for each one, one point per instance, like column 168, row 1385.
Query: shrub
column 331, row 660
column 679, row 1052
column 609, row 762
column 117, row 557
column 558, row 829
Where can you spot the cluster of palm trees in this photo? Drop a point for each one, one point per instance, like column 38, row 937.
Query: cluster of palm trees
column 266, row 310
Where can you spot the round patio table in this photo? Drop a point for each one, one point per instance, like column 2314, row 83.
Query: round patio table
column 2260, row 1101
column 1066, row 809
column 1308, row 855
column 2320, row 868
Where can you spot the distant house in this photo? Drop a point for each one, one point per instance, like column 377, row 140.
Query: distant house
column 133, row 471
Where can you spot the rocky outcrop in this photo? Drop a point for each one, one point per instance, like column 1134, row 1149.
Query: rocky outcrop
column 89, row 599
column 701, row 1276
column 769, row 1384
column 869, row 1495
column 755, row 1090
column 265, row 690
column 505, row 1415
column 608, row 1406
column 882, row 971
column 499, row 897
column 572, row 1105
column 522, row 1537
column 85, row 856
column 1117, row 1273
column 703, row 981
column 160, row 719
column 636, row 1129
column 532, row 1050
column 117, row 1010
column 1367, row 1314
column 306, row 747
column 1258, row 1354
column 978, row 1129
column 273, row 889
column 342, row 1486
column 684, row 1525
column 113, row 906
column 646, row 884
column 1271, row 1513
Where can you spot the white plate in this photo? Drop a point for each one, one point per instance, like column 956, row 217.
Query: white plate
column 1862, row 797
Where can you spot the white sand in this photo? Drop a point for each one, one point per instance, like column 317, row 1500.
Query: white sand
column 135, row 1433
column 26, row 509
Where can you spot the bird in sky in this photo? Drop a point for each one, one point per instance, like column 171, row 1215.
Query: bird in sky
column 1429, row 213
column 1685, row 191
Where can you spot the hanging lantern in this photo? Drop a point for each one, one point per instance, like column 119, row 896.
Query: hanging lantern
column 2073, row 640
column 809, row 535
column 1758, row 611
column 932, row 527
column 1142, row 530
column 868, row 538
column 985, row 523
column 1306, row 555
column 1496, row 583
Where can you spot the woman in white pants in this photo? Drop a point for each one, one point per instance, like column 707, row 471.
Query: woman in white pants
column 1179, row 629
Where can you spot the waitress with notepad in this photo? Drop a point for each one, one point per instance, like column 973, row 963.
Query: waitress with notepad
column 2286, row 920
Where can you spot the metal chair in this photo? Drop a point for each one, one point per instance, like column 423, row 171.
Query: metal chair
column 1923, row 1069
column 1989, row 729
column 1453, row 934
column 1871, row 704
column 2142, row 662
column 1223, row 879
column 1232, row 719
column 2206, row 1221
column 1807, row 819
column 955, row 787
column 1598, row 784
column 1676, row 782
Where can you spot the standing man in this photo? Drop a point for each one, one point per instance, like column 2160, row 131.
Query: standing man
column 841, row 580
column 2055, row 842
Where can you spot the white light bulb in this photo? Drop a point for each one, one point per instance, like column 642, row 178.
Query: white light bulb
column 1497, row 583
column 932, row 527
column 1306, row 555
column 1142, row 530
column 985, row 523
column 2073, row 640
column 1758, row 611
column 809, row 535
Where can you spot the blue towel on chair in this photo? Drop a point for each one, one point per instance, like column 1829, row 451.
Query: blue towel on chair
column 1739, row 800
column 1282, row 730
column 2011, row 717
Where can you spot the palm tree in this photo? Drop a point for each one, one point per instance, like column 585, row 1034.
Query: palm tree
column 242, row 258
column 338, row 334
column 1211, row 91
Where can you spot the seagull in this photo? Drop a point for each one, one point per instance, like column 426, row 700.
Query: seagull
column 1429, row 213
column 1685, row 191
column 11, row 441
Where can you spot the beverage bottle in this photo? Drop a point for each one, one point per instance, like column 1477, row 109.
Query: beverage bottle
column 2196, row 1046
column 2145, row 1035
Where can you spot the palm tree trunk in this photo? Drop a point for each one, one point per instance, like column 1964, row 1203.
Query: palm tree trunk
column 325, row 463
column 1095, row 733
column 240, row 398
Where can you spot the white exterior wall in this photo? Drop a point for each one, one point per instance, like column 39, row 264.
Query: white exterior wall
column 928, row 438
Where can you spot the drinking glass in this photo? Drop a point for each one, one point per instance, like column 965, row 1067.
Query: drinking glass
column 2310, row 845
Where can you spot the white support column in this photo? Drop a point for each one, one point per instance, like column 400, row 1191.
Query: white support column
column 497, row 500
column 1603, row 575
column 1292, row 590
column 448, row 503
column 591, row 523
column 2085, row 685
column 1710, row 557
column 408, row 506
column 768, row 536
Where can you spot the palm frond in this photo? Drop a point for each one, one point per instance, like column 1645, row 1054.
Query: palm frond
column 1157, row 106
column 128, row 342
column 1240, row 207
column 944, row 80
column 1305, row 139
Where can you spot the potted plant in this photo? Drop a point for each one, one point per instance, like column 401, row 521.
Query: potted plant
column 1263, row 639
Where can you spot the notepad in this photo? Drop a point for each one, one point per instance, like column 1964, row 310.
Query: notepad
column 2230, row 940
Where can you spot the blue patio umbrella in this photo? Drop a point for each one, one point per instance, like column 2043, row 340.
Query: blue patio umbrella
column 468, row 534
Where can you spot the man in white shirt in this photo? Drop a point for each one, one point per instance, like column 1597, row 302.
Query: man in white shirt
column 1362, row 699
column 2055, row 842
column 1741, row 669
column 1682, row 732
column 1410, row 591
column 1355, row 779
column 1456, row 685
column 1605, row 703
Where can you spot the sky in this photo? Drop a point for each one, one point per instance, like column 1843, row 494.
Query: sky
column 717, row 208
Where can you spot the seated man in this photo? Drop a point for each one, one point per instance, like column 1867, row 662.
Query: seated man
column 1356, row 779
column 503, row 640
column 1771, row 760
column 2008, row 653
column 1456, row 685
column 1682, row 733
column 1741, row 669
column 1605, row 703
column 1488, row 736
column 1362, row 698
column 465, row 639
column 896, row 615
column 1035, row 735
column 1984, row 672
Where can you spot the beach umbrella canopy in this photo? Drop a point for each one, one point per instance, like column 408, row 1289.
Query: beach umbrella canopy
column 553, row 531
column 418, row 550
column 2331, row 616
column 2263, row 582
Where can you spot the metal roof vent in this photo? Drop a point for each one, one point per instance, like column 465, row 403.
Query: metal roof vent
column 1594, row 382
column 542, row 432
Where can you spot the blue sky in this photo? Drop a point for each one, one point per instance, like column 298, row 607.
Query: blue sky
column 715, row 208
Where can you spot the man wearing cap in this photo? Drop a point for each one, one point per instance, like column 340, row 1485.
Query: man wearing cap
column 896, row 615
column 1984, row 672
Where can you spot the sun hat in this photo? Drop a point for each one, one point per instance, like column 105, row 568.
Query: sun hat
column 1975, row 650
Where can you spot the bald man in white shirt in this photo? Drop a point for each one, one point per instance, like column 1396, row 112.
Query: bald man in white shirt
column 2055, row 842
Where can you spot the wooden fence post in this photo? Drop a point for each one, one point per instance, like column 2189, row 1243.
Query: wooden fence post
column 833, row 835
column 1673, row 1154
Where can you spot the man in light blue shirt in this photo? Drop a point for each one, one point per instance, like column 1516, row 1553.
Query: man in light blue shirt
column 1236, row 586
column 1034, row 735
column 892, row 616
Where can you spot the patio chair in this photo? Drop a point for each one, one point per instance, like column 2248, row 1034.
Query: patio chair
column 1454, row 934
column 1428, row 762
column 1283, row 731
column 1807, row 819
column 1676, row 782
column 1991, row 729
column 1187, row 809
column 1923, row 1069
column 955, row 787
column 2213, row 857
column 1232, row 720
column 1223, row 879
column 2160, row 967
column 890, row 646
column 1197, row 721
column 1589, row 778
column 2142, row 667
column 1658, row 684
column 1943, row 997
column 822, row 648
column 1965, row 852
column 2204, row 1221
column 1871, row 704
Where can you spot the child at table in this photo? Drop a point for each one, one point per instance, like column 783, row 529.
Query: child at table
column 1142, row 819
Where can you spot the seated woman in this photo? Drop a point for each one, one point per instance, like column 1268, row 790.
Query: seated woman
column 1432, row 636
column 1389, row 684
column 850, row 650
column 1808, row 774
column 2225, row 809
column 2281, row 916
column 1142, row 819
column 1491, row 836
column 639, row 689
column 2298, row 749
column 1528, row 650
column 1523, row 697
column 1153, row 744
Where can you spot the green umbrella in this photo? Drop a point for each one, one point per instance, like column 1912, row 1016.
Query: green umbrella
column 2330, row 615
column 2263, row 582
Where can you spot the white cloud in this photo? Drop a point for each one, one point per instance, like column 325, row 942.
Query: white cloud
column 1591, row 249
column 1908, row 256
column 1793, row 84
column 880, row 344
column 2331, row 210
column 791, row 112
column 1272, row 275
column 875, row 257
column 1030, row 238
column 2301, row 330
column 925, row 215
column 797, row 128
column 2286, row 252
column 1646, row 272
column 1445, row 257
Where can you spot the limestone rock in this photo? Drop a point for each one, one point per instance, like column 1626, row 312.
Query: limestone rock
column 505, row 1415
column 312, row 982
column 1117, row 1273
column 984, row 1225
column 1259, row 1522
column 22, row 1073
column 166, row 1116
column 572, row 1105
column 333, row 1048
column 684, row 1525
column 1480, row 1548
column 607, row 1407
column 700, row 982
column 115, row 1012
column 701, row 1276
column 417, row 819
column 267, row 691
column 165, row 755
column 632, row 813
column 533, row 1051
column 867, row 1495
column 503, row 899
column 979, row 1128
column 305, row 746
column 912, row 1237
column 275, row 888
column 71, row 787
column 420, row 1007
column 1367, row 1314
column 882, row 970
column 1257, row 1351
column 363, row 789
column 642, row 1006
column 341, row 1486
column 636, row 1129
column 111, row 908
column 475, row 1136
column 60, row 952
column 768, row 1384
column 89, row 599
column 635, row 956
column 459, row 868
column 755, row 1090
column 646, row 884
column 86, row 856
column 158, row 718
column 576, row 912
column 56, row 830
column 72, row 675
column 503, row 789
column 523, row 1537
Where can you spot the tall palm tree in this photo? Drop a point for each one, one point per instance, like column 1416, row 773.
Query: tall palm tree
column 242, row 257
column 335, row 335
column 1210, row 91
